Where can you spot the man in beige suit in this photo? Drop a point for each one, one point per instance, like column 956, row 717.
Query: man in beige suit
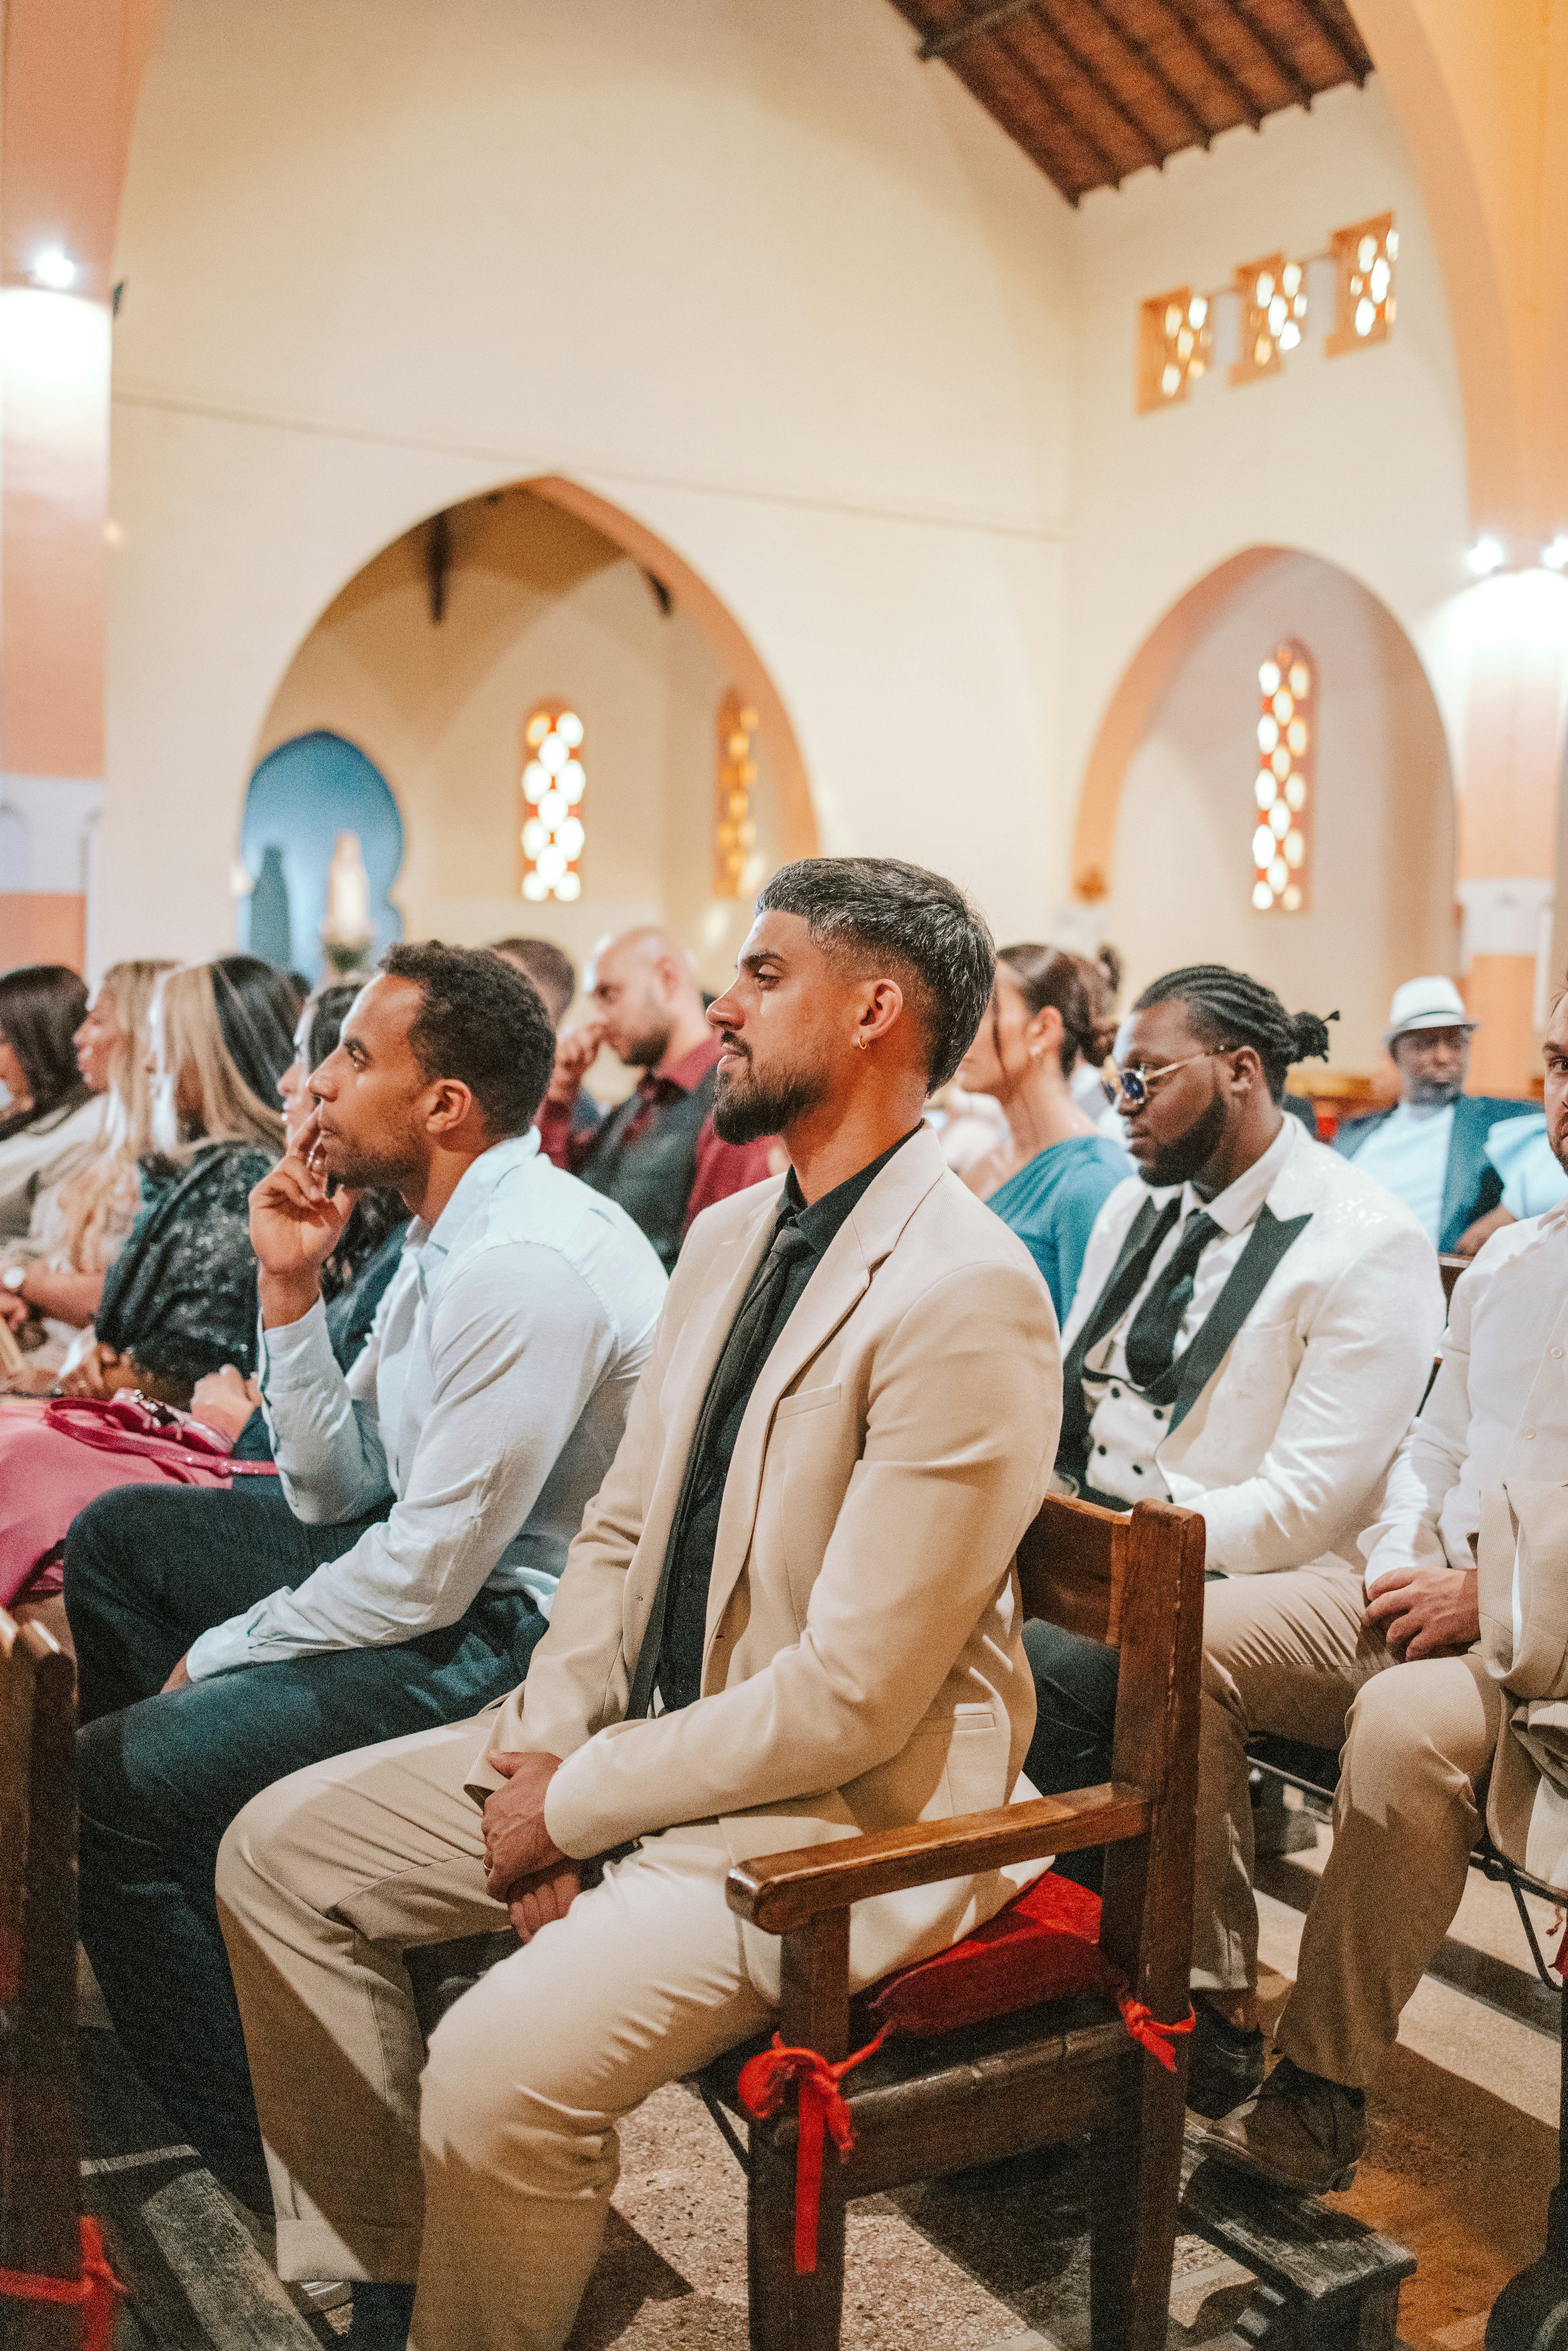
column 791, row 1614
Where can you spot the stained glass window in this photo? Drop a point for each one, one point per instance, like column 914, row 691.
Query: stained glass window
column 1273, row 297
column 733, row 827
column 1363, row 259
column 1175, row 333
column 552, row 783
column 1282, row 788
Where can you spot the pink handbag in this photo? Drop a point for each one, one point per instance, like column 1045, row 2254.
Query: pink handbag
column 57, row 1456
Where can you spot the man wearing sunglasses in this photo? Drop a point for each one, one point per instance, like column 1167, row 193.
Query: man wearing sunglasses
column 1252, row 1331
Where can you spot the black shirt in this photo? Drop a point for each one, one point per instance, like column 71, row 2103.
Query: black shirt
column 688, row 1568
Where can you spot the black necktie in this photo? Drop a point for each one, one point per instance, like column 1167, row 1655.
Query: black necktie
column 1151, row 1342
column 736, row 1369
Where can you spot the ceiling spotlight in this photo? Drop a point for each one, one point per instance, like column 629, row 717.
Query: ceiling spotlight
column 54, row 270
column 1485, row 556
column 1555, row 555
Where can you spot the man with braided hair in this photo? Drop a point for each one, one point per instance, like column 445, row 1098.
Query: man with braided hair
column 1251, row 1333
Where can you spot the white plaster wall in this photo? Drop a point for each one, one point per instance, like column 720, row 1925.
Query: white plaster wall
column 746, row 271
column 1382, row 906
column 789, row 300
column 538, row 606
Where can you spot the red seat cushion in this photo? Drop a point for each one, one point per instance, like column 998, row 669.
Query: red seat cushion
column 1043, row 1946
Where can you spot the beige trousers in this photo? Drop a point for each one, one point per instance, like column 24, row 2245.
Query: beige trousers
column 1286, row 1654
column 323, row 1882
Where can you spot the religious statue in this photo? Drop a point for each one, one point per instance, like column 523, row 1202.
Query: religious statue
column 349, row 932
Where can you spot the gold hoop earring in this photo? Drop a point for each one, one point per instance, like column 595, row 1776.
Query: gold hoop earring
column 861, row 1043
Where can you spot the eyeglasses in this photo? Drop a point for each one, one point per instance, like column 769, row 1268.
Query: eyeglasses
column 1135, row 1086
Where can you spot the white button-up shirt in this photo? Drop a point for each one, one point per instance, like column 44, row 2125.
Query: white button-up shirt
column 1499, row 1406
column 1125, row 1427
column 488, row 1401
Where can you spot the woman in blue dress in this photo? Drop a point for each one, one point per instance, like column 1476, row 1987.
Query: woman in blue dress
column 1050, row 1179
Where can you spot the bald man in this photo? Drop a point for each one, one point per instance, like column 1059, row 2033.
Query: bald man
column 657, row 1154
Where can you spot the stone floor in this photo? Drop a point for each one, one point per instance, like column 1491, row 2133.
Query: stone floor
column 1463, row 2152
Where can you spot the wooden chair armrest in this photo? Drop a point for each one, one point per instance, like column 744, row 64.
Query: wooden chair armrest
column 780, row 1891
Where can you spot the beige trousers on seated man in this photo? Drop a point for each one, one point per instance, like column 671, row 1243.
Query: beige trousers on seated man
column 1286, row 1654
column 324, row 1882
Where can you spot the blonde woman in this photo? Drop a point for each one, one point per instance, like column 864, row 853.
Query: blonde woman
column 180, row 1299
column 51, row 1282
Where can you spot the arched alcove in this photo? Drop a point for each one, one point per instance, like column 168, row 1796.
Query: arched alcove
column 1163, row 859
column 540, row 593
column 302, row 795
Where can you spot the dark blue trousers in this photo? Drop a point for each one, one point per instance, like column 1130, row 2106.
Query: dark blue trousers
column 1075, row 1691
column 148, row 1569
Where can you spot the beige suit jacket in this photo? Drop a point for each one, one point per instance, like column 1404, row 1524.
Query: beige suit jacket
column 863, row 1666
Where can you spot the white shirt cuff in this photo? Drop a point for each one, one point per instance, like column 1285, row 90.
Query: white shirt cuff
column 293, row 1354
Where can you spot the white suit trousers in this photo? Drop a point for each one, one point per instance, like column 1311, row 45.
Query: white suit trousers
column 323, row 1882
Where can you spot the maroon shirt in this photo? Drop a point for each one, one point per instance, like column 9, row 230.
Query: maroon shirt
column 721, row 1167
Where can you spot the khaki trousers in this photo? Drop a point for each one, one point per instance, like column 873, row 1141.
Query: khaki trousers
column 1286, row 1654
column 323, row 1882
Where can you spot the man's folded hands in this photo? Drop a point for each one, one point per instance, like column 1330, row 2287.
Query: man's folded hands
column 523, row 1866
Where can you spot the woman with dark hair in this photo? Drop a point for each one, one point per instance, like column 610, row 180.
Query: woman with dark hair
column 1050, row 1179
column 50, row 1122
column 180, row 1298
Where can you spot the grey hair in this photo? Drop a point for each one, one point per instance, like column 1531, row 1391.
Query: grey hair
column 915, row 924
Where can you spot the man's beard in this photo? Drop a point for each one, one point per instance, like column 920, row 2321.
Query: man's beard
column 1427, row 1093
column 646, row 1050
column 747, row 1107
column 1178, row 1162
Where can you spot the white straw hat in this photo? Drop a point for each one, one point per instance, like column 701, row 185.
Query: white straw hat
column 1431, row 1003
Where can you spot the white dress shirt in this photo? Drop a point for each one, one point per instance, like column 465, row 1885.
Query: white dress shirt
column 488, row 1400
column 1285, row 1451
column 1499, row 1406
column 1125, row 1427
column 1409, row 1153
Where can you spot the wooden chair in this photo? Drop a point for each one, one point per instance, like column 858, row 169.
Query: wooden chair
column 921, row 2108
column 41, row 2225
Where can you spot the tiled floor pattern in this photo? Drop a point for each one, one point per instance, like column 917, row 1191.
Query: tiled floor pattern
column 1463, row 2150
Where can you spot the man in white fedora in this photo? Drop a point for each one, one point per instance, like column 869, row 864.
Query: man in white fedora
column 1431, row 1149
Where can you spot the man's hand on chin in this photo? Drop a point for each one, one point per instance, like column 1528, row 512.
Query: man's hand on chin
column 518, row 1845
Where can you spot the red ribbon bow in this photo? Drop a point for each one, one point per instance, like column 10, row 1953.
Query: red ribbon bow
column 96, row 2290
column 823, row 2106
column 1148, row 2032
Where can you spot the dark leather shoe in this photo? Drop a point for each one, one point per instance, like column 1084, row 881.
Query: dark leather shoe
column 1300, row 2131
column 1225, row 2064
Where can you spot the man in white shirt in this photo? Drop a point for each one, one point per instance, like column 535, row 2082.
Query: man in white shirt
column 403, row 1576
column 1417, row 1740
column 1431, row 1149
column 1251, row 1336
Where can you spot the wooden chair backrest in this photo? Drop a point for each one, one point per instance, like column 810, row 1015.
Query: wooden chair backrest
column 1136, row 1582
column 39, row 2173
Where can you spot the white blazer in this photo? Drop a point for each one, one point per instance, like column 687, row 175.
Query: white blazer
column 1285, row 1452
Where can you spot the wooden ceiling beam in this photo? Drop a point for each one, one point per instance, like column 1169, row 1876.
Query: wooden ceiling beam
column 1283, row 65
column 980, row 75
column 1047, row 14
column 1216, row 63
column 942, row 44
column 1356, row 62
column 1111, row 176
column 1145, row 57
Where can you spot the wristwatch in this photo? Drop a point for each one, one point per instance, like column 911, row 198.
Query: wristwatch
column 13, row 1277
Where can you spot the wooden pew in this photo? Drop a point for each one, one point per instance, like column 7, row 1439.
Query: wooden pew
column 921, row 2108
